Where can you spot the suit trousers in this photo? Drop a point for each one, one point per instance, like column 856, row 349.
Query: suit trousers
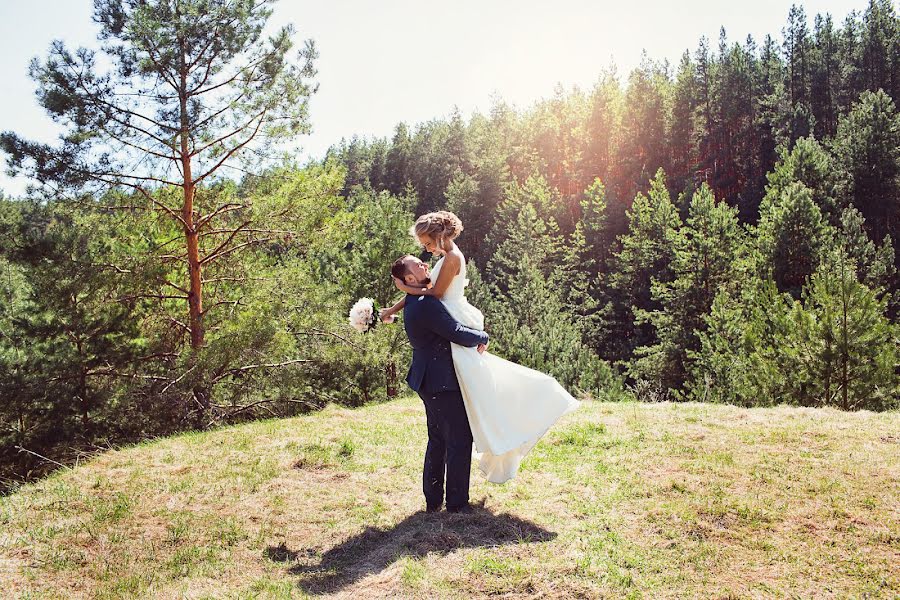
column 449, row 447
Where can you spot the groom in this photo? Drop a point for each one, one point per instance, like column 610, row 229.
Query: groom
column 430, row 329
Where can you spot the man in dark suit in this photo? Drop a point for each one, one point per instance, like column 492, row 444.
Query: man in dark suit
column 431, row 329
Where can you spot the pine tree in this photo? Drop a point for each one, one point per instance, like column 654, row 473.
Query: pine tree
column 703, row 117
column 867, row 150
column 601, row 139
column 189, row 86
column 586, row 256
column 647, row 252
column 534, row 191
column 850, row 60
column 683, row 143
column 791, row 237
column 771, row 120
column 812, row 165
column 848, row 350
column 705, row 262
column 643, row 146
column 528, row 320
column 824, row 77
column 71, row 342
column 475, row 197
column 880, row 47
column 740, row 359
column 363, row 242
column 735, row 101
column 797, row 46
column 875, row 266
column 397, row 161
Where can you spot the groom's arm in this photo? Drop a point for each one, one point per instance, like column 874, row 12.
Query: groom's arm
column 440, row 322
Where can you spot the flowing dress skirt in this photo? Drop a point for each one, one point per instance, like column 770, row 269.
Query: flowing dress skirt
column 509, row 406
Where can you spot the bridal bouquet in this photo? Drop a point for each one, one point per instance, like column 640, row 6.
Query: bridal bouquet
column 363, row 316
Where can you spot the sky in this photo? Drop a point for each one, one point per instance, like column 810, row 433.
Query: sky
column 389, row 61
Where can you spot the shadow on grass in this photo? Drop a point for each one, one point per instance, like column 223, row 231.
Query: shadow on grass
column 417, row 535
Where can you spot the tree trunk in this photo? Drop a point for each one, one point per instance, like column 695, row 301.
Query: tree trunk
column 201, row 392
column 391, row 373
column 845, row 346
column 192, row 235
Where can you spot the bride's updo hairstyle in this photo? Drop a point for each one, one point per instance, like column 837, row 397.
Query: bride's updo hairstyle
column 439, row 225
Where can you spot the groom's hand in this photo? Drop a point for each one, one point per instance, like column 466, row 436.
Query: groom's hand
column 481, row 348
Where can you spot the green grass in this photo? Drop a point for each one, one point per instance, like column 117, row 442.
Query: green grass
column 618, row 500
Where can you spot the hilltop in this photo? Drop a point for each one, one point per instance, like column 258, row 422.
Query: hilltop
column 618, row 500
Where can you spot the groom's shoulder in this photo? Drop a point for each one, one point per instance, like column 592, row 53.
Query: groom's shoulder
column 429, row 302
column 417, row 303
column 414, row 302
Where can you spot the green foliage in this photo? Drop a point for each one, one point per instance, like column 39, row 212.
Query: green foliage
column 647, row 252
column 92, row 345
column 190, row 71
column 350, row 258
column 835, row 348
column 846, row 350
column 874, row 264
column 539, row 244
column 362, row 241
column 791, row 237
column 867, row 148
column 69, row 339
column 585, row 255
column 474, row 197
column 807, row 162
column 706, row 261
column 741, row 359
column 526, row 315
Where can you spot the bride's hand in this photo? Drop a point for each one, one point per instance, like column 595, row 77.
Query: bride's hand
column 400, row 285
column 386, row 316
column 408, row 289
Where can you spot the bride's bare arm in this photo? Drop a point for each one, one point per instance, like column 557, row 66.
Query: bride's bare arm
column 387, row 314
column 449, row 270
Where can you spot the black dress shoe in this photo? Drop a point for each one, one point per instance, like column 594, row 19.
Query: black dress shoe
column 464, row 509
column 433, row 508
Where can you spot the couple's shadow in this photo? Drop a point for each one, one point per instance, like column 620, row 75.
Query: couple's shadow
column 419, row 534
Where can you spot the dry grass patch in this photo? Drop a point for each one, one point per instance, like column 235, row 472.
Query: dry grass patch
column 619, row 500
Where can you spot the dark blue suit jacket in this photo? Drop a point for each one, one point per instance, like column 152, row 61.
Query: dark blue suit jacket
column 431, row 329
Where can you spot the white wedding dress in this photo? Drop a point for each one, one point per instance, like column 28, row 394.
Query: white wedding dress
column 509, row 406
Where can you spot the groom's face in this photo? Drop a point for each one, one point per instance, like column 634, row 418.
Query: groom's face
column 417, row 272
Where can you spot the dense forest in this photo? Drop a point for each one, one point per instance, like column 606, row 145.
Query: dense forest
column 725, row 230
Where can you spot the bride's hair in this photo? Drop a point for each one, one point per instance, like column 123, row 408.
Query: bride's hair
column 439, row 225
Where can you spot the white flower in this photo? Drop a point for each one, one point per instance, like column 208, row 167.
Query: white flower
column 362, row 315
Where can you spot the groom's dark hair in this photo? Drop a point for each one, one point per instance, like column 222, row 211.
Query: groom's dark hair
column 398, row 269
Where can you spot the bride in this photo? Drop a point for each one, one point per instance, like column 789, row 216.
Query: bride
column 509, row 406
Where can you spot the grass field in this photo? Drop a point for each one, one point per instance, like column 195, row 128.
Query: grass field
column 618, row 500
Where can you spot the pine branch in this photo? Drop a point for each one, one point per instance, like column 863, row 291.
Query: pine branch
column 233, row 150
column 246, row 368
column 212, row 254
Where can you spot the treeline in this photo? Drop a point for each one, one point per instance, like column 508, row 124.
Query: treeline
column 726, row 230
column 94, row 349
column 143, row 290
column 718, row 118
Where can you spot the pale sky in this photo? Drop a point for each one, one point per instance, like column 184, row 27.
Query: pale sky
column 386, row 61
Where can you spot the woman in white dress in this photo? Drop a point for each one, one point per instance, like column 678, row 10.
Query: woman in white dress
column 509, row 406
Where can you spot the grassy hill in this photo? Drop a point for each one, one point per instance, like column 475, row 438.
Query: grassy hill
column 619, row 500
